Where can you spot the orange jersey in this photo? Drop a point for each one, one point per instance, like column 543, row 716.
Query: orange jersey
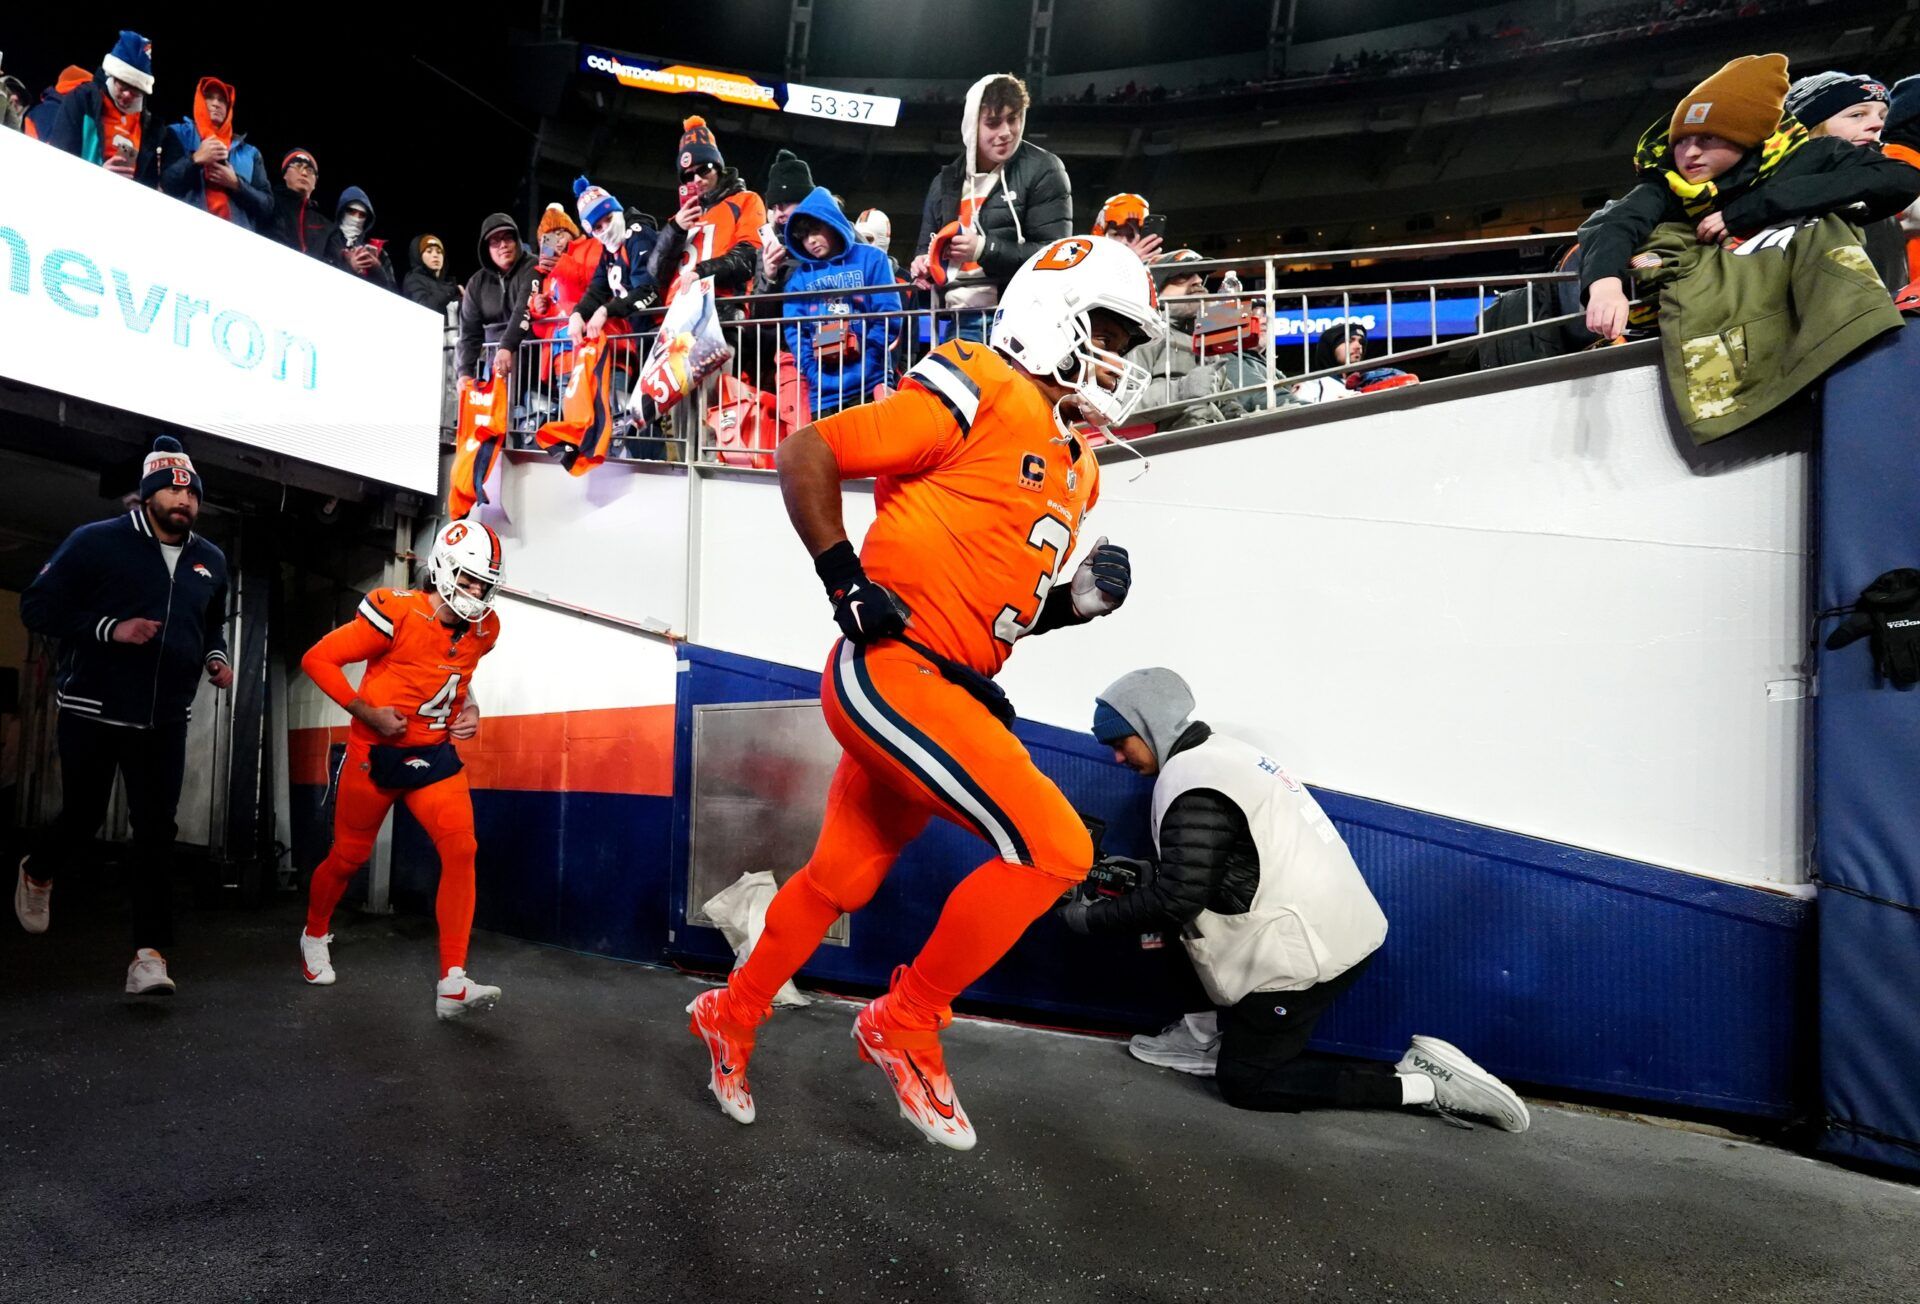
column 414, row 663
column 980, row 497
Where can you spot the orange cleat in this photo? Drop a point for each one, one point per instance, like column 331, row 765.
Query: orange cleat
column 917, row 1070
column 731, row 1047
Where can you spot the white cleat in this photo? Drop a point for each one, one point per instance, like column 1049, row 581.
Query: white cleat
column 1191, row 1044
column 316, row 963
column 31, row 900
column 458, row 996
column 1462, row 1087
column 147, row 975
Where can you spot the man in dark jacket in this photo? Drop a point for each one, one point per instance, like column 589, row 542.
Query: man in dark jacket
column 298, row 220
column 427, row 283
column 1273, row 912
column 493, row 308
column 212, row 168
column 104, row 120
column 138, row 604
column 350, row 245
column 992, row 208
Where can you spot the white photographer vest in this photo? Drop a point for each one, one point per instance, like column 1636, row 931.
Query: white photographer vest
column 1312, row 917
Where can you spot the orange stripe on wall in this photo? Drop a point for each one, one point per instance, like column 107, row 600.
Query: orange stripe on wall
column 624, row 749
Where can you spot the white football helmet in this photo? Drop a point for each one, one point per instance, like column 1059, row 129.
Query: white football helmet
column 1043, row 325
column 467, row 548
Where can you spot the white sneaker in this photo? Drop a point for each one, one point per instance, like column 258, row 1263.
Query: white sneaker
column 458, row 995
column 1189, row 1045
column 147, row 975
column 30, row 901
column 1462, row 1087
column 316, row 965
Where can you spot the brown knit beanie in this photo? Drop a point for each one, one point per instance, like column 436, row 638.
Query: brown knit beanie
column 556, row 219
column 1740, row 103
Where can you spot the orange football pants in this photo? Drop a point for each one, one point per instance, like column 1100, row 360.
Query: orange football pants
column 916, row 746
column 445, row 811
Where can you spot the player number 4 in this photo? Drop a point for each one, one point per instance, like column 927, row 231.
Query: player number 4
column 438, row 707
column 1047, row 532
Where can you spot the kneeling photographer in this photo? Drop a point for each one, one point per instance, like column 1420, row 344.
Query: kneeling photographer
column 1273, row 913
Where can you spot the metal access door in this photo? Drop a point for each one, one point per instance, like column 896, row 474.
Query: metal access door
column 760, row 776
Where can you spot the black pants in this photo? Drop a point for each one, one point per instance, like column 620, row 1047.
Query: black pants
column 1262, row 1064
column 152, row 761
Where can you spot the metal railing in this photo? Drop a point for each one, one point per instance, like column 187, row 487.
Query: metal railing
column 774, row 382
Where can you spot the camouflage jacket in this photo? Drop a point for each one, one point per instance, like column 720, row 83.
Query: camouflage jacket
column 1744, row 329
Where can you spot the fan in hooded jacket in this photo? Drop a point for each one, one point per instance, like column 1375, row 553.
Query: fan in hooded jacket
column 350, row 245
column 824, row 254
column 494, row 308
column 996, row 205
column 212, row 167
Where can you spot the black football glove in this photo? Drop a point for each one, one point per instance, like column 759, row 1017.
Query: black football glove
column 864, row 610
column 1115, row 876
column 1101, row 582
column 1888, row 612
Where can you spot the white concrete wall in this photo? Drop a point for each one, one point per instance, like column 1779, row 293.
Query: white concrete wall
column 1522, row 609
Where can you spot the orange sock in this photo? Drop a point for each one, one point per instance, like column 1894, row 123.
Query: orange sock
column 797, row 918
column 453, row 904
column 329, row 885
column 983, row 918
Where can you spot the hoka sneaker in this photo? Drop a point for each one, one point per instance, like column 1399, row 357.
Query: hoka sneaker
column 917, row 1070
column 30, row 901
column 458, row 995
column 731, row 1046
column 316, row 966
column 1190, row 1044
column 147, row 975
column 1462, row 1087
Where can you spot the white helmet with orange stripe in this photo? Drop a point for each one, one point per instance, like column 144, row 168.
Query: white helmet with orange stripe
column 1043, row 322
column 465, row 550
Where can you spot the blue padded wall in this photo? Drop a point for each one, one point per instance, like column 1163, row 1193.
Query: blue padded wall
column 1867, row 768
column 1551, row 965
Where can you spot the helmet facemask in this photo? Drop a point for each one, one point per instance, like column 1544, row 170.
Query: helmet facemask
column 1082, row 370
column 445, row 572
column 465, row 550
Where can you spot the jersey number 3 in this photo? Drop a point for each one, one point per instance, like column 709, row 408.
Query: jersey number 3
column 1047, row 532
column 438, row 707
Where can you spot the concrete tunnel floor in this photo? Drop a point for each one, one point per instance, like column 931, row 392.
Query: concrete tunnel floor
column 254, row 1138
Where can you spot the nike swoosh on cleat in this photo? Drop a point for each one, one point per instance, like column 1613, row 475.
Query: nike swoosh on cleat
column 941, row 1107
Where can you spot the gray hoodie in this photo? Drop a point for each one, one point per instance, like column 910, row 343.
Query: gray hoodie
column 1156, row 702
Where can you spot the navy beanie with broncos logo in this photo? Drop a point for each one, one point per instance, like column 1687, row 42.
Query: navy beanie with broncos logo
column 168, row 467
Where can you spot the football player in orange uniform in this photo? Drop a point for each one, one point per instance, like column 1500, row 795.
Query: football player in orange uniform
column 416, row 696
column 982, row 486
